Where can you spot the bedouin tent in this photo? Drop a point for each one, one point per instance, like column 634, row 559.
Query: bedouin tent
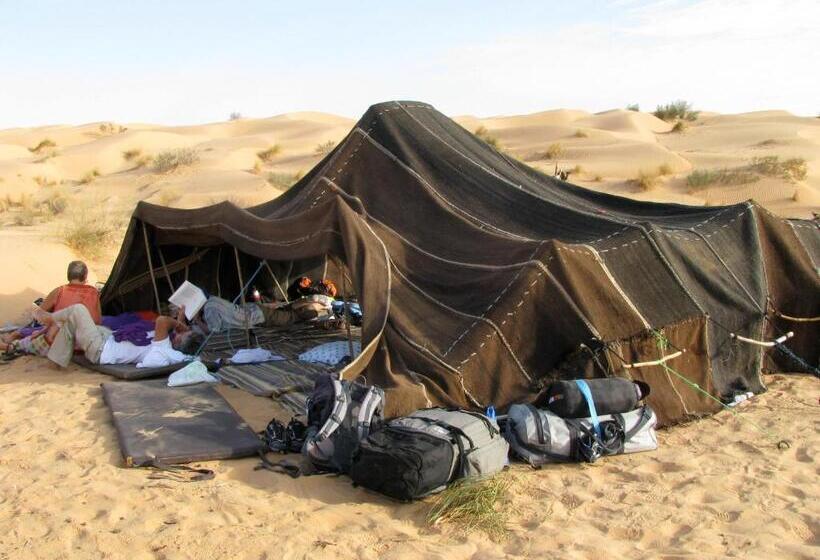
column 481, row 278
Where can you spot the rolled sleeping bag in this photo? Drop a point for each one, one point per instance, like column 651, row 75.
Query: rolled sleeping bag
column 610, row 395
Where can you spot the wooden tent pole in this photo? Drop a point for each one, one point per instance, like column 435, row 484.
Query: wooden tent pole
column 284, row 294
column 242, row 295
column 165, row 269
column 347, row 311
column 151, row 265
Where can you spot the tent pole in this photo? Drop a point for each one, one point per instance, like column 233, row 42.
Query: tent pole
column 242, row 295
column 165, row 269
column 347, row 311
column 218, row 272
column 284, row 295
column 151, row 265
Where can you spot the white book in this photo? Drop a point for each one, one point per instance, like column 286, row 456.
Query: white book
column 191, row 297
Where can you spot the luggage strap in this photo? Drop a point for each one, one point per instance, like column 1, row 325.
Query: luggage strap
column 178, row 473
column 282, row 467
column 462, row 453
column 337, row 415
column 593, row 414
column 646, row 414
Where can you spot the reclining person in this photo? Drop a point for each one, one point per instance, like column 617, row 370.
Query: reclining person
column 78, row 328
column 76, row 291
column 220, row 314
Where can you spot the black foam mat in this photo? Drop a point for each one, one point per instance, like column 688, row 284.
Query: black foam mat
column 174, row 425
column 128, row 371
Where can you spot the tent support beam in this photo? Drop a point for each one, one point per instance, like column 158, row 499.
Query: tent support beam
column 151, row 265
column 165, row 269
column 272, row 275
column 242, row 295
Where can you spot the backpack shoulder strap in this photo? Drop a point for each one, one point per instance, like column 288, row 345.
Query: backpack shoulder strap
column 341, row 402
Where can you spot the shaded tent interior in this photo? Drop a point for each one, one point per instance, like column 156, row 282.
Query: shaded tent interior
column 481, row 278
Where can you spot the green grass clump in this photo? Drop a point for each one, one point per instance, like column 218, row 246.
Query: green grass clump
column 88, row 237
column 169, row 160
column 488, row 138
column 554, row 151
column 268, row 154
column 472, row 505
column 677, row 110
column 45, row 143
column 701, row 178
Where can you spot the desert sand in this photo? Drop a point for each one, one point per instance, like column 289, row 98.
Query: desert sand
column 715, row 488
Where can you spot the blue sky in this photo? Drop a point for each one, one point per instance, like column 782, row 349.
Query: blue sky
column 197, row 61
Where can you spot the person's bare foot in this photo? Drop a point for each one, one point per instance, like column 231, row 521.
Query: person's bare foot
column 43, row 317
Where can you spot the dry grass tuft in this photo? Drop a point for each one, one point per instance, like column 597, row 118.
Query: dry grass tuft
column 701, row 178
column 646, row 181
column 132, row 154
column 664, row 169
column 89, row 177
column 482, row 133
column 111, row 128
column 554, row 151
column 766, row 143
column 598, row 179
column 268, row 154
column 169, row 196
column 472, row 505
column 580, row 134
column 283, row 181
column 44, row 144
column 793, row 169
column 89, row 231
column 170, row 160
column 44, row 181
column 577, row 170
column 325, row 148
column 680, row 127
column 634, row 107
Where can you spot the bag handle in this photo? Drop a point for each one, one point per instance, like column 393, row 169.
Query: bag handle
column 583, row 386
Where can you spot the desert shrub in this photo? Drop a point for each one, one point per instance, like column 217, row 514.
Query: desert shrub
column 766, row 143
column 169, row 197
column 90, row 176
column 677, row 110
column 474, row 505
column 577, row 170
column 132, row 154
column 26, row 217
column 701, row 178
column 111, row 128
column 580, row 134
column 484, row 134
column 268, row 154
column 235, row 116
column 44, row 181
column 325, row 147
column 142, row 161
column 646, row 181
column 633, row 107
column 282, row 180
column 45, row 156
column 679, row 127
column 554, row 151
column 45, row 143
column 793, row 169
column 598, row 179
column 664, row 169
column 87, row 233
column 169, row 160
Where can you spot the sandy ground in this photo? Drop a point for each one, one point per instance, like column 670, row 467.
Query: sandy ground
column 716, row 488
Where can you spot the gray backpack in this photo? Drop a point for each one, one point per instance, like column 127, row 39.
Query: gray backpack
column 539, row 436
column 340, row 415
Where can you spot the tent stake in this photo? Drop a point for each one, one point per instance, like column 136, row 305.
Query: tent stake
column 242, row 294
column 151, row 265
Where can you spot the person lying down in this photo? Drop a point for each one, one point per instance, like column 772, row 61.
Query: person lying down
column 173, row 340
column 220, row 314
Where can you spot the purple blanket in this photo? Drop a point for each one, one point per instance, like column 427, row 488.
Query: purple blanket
column 128, row 327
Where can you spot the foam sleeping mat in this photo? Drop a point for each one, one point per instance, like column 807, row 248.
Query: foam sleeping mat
column 128, row 371
column 174, row 425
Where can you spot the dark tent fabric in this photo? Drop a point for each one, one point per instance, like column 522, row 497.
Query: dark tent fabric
column 481, row 278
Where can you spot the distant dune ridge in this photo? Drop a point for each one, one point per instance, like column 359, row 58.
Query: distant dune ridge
column 76, row 185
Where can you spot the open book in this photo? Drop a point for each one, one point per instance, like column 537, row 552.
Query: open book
column 190, row 296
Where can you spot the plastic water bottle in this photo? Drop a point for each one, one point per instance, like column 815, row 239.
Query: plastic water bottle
column 490, row 412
